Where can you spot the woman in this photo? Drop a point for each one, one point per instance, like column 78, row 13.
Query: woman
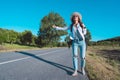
column 78, row 31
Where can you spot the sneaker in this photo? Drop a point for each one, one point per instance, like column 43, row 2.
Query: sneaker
column 75, row 74
column 83, row 71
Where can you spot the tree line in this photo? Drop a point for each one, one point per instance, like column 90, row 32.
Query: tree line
column 47, row 36
column 13, row 37
column 115, row 41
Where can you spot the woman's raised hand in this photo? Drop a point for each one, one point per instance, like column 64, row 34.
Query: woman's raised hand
column 54, row 26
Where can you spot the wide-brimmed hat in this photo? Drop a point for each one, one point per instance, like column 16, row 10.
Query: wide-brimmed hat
column 76, row 13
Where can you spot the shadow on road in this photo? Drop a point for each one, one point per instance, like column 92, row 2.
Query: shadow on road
column 65, row 68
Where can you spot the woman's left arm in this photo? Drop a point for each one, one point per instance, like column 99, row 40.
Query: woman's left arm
column 60, row 28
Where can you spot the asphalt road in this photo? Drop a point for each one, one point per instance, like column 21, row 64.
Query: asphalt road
column 45, row 64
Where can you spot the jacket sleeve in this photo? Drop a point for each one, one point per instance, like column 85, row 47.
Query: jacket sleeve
column 62, row 28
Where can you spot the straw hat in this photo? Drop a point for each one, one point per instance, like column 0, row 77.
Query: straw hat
column 76, row 13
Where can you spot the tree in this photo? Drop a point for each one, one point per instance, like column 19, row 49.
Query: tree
column 34, row 38
column 11, row 36
column 2, row 36
column 8, row 36
column 88, row 37
column 26, row 37
column 46, row 34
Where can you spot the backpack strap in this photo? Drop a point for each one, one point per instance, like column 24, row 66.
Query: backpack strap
column 71, row 27
column 81, row 24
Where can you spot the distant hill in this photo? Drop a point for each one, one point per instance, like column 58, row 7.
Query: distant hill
column 116, row 39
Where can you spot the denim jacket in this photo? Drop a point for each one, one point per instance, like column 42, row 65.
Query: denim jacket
column 82, row 32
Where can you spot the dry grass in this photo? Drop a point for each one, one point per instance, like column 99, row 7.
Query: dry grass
column 98, row 67
column 14, row 47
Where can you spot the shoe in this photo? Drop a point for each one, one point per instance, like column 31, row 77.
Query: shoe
column 83, row 71
column 75, row 74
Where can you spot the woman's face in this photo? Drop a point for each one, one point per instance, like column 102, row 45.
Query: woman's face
column 75, row 18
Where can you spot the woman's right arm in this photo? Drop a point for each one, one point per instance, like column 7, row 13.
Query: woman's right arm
column 60, row 28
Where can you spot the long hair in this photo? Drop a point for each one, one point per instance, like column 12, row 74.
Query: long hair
column 79, row 21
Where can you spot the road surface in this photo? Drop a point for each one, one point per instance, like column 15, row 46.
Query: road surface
column 43, row 64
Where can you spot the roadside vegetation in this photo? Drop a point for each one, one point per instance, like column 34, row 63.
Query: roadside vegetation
column 103, row 63
column 14, row 47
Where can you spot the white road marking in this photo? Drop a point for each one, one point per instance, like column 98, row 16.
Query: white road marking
column 26, row 58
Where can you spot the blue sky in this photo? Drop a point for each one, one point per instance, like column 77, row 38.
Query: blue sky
column 101, row 17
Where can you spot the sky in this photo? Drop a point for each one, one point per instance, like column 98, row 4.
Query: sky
column 101, row 17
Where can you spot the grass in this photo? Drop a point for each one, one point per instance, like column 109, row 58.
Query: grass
column 14, row 47
column 10, row 47
column 103, row 63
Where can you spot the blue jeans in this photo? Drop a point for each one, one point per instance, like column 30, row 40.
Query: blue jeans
column 82, row 47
